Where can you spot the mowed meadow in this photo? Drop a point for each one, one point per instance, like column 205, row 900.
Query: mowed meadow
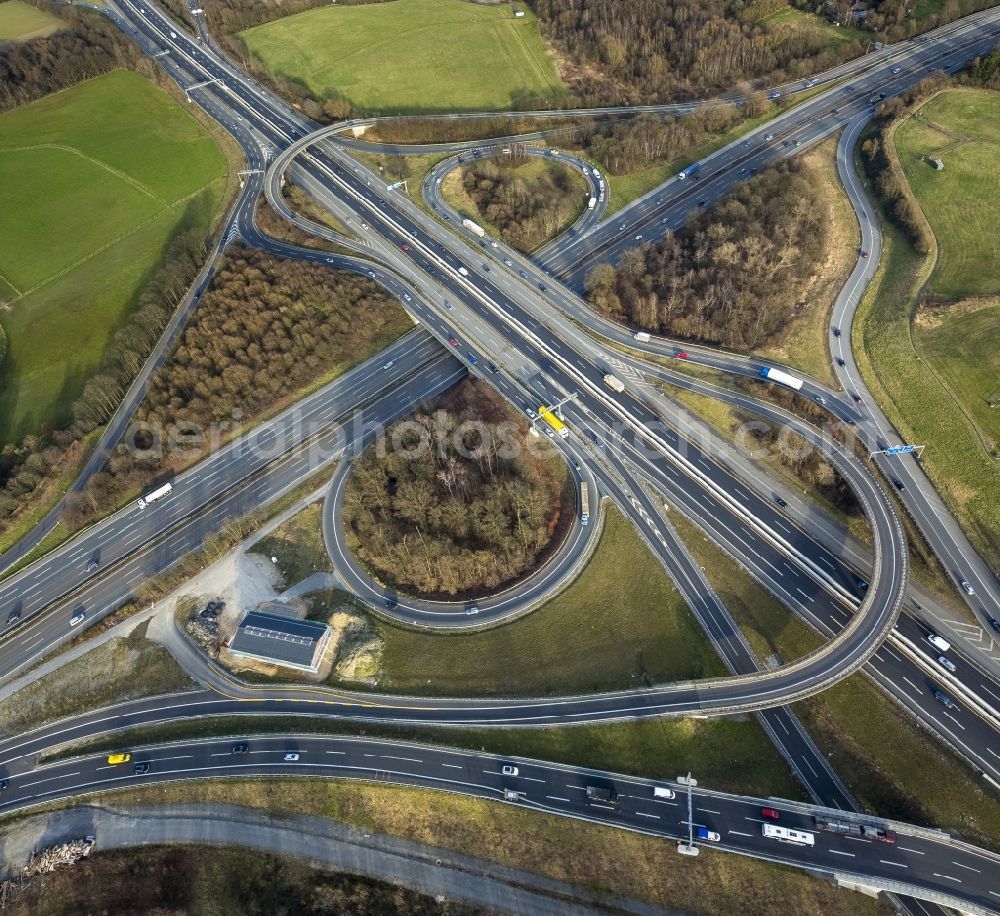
column 411, row 56
column 94, row 183
column 937, row 365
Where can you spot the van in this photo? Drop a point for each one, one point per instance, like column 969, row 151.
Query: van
column 938, row 643
column 663, row 792
column 643, row 336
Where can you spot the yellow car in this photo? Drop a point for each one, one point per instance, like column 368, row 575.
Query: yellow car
column 119, row 758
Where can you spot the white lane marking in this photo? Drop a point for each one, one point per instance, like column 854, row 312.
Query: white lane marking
column 557, row 798
column 889, row 862
column 452, row 766
column 960, row 865
column 38, row 782
column 406, row 759
column 643, row 814
column 739, row 833
column 919, row 852
column 837, row 852
column 949, row 877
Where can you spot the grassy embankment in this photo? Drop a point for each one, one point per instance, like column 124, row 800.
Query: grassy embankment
column 933, row 369
column 412, row 56
column 605, row 631
column 893, row 767
column 116, row 146
column 121, row 669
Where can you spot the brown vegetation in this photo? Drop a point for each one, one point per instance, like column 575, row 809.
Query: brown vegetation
column 475, row 509
column 635, row 51
column 731, row 275
column 265, row 329
column 89, row 46
column 527, row 211
column 196, row 879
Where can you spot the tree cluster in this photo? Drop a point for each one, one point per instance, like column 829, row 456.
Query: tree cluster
column 894, row 20
column 472, row 511
column 265, row 329
column 731, row 276
column 527, row 213
column 636, row 143
column 882, row 166
column 89, row 46
column 661, row 50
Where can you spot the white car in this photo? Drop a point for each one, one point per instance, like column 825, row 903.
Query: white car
column 509, row 770
column 389, row 364
column 938, row 643
column 79, row 617
column 969, row 590
column 896, row 70
column 291, row 757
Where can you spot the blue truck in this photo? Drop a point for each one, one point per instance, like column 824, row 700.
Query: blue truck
column 690, row 170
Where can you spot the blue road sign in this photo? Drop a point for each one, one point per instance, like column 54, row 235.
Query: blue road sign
column 899, row 449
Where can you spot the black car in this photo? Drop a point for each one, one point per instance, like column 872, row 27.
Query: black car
column 840, row 361
column 542, row 287
column 140, row 768
column 898, row 484
column 780, row 501
column 3, row 784
column 836, row 332
column 13, row 616
column 241, row 748
column 391, row 604
column 492, row 367
column 995, row 624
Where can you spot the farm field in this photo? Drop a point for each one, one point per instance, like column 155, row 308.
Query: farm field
column 116, row 146
column 20, row 21
column 411, row 56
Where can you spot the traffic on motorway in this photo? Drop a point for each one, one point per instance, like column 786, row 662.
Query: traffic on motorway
column 621, row 448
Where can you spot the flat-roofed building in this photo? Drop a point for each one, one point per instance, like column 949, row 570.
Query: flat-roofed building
column 280, row 640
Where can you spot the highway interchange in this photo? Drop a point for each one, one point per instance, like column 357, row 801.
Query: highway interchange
column 511, row 318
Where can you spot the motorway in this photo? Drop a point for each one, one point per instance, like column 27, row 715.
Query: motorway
column 962, row 876
column 511, row 313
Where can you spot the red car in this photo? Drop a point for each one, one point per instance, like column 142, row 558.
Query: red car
column 864, row 254
column 770, row 814
column 453, row 341
column 681, row 354
column 406, row 247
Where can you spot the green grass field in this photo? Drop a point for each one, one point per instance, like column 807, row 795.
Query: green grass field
column 962, row 128
column 94, row 182
column 411, row 56
column 933, row 376
column 965, row 352
column 20, row 21
column 621, row 624
column 813, row 31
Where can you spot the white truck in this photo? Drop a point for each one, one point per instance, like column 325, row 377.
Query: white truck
column 782, row 378
column 615, row 384
column 642, row 336
column 591, row 203
column 154, row 495
column 474, row 228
